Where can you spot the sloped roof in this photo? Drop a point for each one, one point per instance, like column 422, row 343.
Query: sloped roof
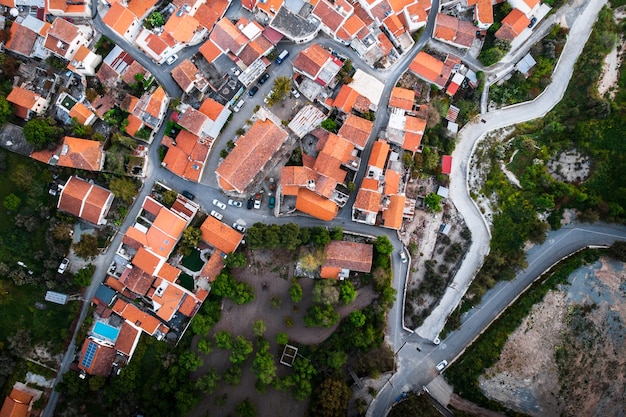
column 328, row 14
column 119, row 18
column 23, row 97
column 402, row 98
column 211, row 108
column 81, row 153
column 427, row 67
column 137, row 279
column 379, row 153
column 147, row 262
column 81, row 113
column 137, row 317
column 484, row 11
column 182, row 28
column 349, row 255
column 394, row 25
column 213, row 267
column 210, row 51
column 168, row 299
column 392, row 182
column 102, row 358
column 219, row 235
column 127, row 339
column 83, row 199
column 252, row 151
column 63, row 30
column 513, row 24
column 168, row 272
column 228, row 37
column 193, row 121
column 346, row 98
column 188, row 157
column 16, row 404
column 156, row 101
column 208, row 12
column 22, row 39
column 368, row 200
column 141, row 7
column 312, row 59
column 446, row 164
column 315, row 205
column 185, row 74
column 356, row 130
column 392, row 217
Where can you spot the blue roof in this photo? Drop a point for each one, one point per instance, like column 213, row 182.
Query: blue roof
column 89, row 354
column 105, row 294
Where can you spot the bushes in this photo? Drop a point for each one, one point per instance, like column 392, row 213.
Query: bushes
column 226, row 286
column 323, row 315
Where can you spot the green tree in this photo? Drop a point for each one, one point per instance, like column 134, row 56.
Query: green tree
column 87, row 247
column 433, row 202
column 357, row 318
column 246, row 408
column 259, row 327
column 295, row 292
column 128, row 143
column 330, row 125
column 84, row 275
column 22, row 177
column 41, row 132
column 323, row 315
column 347, row 293
column 618, row 251
column 123, row 188
column 6, row 111
column 223, row 340
column 12, row 202
column 300, row 379
column 96, row 382
column 205, row 346
column 155, row 20
column 168, row 197
column 191, row 239
column 319, row 236
column 331, row 399
column 208, row 383
column 383, row 246
column 264, row 366
column 235, row 260
column 325, row 292
column 282, row 338
column 240, row 350
column 232, row 376
column 336, row 233
column 282, row 87
column 290, row 236
column 189, row 361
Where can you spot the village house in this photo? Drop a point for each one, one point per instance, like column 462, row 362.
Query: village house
column 122, row 21
column 318, row 64
column 84, row 62
column 84, row 200
column 252, row 154
column 74, row 153
column 64, row 38
column 343, row 257
column 28, row 36
column 483, row 13
column 513, row 25
column 146, row 112
column 18, row 403
column 188, row 77
column 454, row 31
column 69, row 8
column 27, row 103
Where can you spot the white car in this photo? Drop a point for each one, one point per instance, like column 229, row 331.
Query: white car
column 171, row 59
column 234, row 203
column 217, row 215
column 239, row 227
column 403, row 257
column 295, row 93
column 239, row 105
column 219, row 204
column 64, row 263
column 442, row 365
column 257, row 204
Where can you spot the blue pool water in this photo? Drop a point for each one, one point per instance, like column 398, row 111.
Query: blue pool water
column 105, row 331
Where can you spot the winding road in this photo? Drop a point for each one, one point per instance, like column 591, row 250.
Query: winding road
column 415, row 368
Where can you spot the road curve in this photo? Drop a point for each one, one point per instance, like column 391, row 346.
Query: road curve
column 469, row 137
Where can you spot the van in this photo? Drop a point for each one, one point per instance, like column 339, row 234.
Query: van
column 283, row 55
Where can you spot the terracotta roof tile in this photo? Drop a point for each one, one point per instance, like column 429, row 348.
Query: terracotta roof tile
column 138, row 280
column 402, row 98
column 134, row 124
column 23, row 97
column 385, row 44
column 210, row 51
column 349, row 255
column 329, row 15
column 185, row 74
column 429, row 68
column 81, row 113
column 137, row 317
column 209, row 12
column 72, row 195
column 392, row 182
column 63, row 30
column 353, row 25
column 119, row 18
column 156, row 102
column 220, row 235
column 182, row 28
column 513, row 24
column 189, row 306
column 315, row 205
column 392, row 217
column 96, row 204
column 311, row 60
column 167, row 298
column 378, row 156
column 133, row 69
column 368, row 200
column 127, row 339
column 228, row 37
column 193, row 121
column 115, row 284
column 17, row 403
column 356, row 130
column 102, row 360
column 213, row 267
column 211, row 108
column 346, row 99
column 251, row 153
column 168, row 272
column 484, row 11
column 394, row 25
column 369, row 183
column 81, row 153
column 188, row 157
column 141, row 7
column 22, row 39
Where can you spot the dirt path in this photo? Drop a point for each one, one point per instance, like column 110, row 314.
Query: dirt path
column 469, row 407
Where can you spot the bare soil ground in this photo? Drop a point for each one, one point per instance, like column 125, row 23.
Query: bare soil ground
column 275, row 270
column 568, row 357
column 569, row 166
column 426, row 243
column 613, row 62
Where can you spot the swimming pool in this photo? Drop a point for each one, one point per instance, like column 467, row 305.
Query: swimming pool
column 105, row 331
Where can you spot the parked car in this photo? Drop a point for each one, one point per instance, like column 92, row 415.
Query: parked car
column 188, row 195
column 234, row 203
column 295, row 93
column 258, row 198
column 272, row 202
column 217, row 215
column 442, row 365
column 171, row 59
column 533, row 20
column 253, row 91
column 239, row 105
column 219, row 204
column 64, row 264
column 250, row 203
column 403, row 257
column 239, row 227
column 264, row 78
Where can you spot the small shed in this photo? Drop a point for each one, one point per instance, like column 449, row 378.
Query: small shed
column 56, row 297
column 443, row 192
column 446, row 164
column 526, row 64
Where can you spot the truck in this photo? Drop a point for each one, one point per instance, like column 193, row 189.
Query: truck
column 283, row 55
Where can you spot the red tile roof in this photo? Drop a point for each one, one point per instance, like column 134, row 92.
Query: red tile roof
column 402, row 98
column 211, row 108
column 81, row 113
column 392, row 182
column 349, row 255
column 22, row 39
column 166, row 299
column 81, row 153
column 392, row 217
column 185, row 74
column 252, row 152
column 446, row 164
column 119, row 18
column 84, row 200
column 127, row 339
column 513, row 24
column 329, row 15
column 228, row 37
column 368, row 200
column 182, row 28
column 141, row 7
column 16, row 404
column 356, row 130
column 219, row 235
column 208, row 12
column 378, row 156
column 23, row 98
column 139, row 318
column 213, row 267
column 102, row 360
column 484, row 11
column 311, row 60
column 429, row 68
column 315, row 205
column 210, row 51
